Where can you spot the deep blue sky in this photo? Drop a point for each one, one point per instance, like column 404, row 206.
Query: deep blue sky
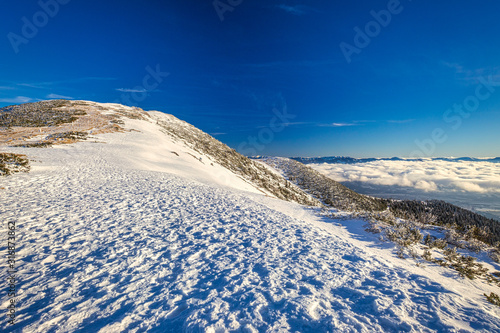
column 226, row 76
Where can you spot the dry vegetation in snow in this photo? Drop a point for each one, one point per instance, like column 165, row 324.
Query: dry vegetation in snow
column 45, row 123
column 11, row 163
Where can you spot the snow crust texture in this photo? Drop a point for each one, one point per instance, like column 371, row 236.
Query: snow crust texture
column 143, row 251
column 107, row 247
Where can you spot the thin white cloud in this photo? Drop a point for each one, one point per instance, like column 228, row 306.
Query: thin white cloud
column 141, row 90
column 295, row 10
column 316, row 124
column 6, row 88
column 56, row 96
column 477, row 75
column 296, row 123
column 455, row 66
column 403, row 121
column 345, row 124
column 338, row 125
column 17, row 100
column 32, row 85
column 49, row 84
column 301, row 63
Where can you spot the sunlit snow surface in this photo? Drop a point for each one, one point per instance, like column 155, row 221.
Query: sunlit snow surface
column 112, row 239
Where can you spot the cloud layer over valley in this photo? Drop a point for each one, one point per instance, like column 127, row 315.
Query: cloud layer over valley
column 475, row 185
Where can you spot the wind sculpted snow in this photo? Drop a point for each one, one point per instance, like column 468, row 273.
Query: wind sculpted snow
column 144, row 251
column 113, row 240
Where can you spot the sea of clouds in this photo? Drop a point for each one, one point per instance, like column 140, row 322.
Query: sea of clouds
column 432, row 175
column 473, row 185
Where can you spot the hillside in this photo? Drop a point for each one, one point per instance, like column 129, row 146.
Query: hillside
column 145, row 223
column 48, row 123
column 327, row 190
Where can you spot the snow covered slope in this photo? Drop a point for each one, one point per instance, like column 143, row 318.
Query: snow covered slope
column 131, row 231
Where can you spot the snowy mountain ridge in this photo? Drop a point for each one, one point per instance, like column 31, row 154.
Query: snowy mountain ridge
column 95, row 118
column 124, row 224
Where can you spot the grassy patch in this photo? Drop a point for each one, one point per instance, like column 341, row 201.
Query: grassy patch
column 39, row 114
column 72, row 135
column 11, row 163
column 57, row 138
column 41, row 144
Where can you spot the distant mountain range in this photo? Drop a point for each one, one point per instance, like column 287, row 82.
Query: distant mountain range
column 353, row 160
